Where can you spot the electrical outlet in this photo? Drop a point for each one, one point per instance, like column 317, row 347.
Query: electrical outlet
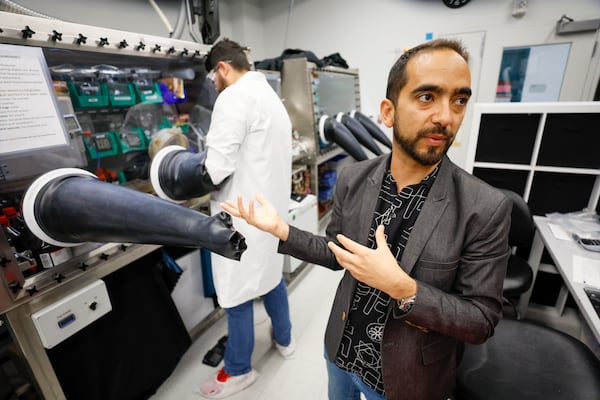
column 519, row 8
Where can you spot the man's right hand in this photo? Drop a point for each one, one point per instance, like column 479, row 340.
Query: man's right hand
column 264, row 217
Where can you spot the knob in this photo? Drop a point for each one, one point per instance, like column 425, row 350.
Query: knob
column 93, row 305
column 156, row 48
column 140, row 46
column 123, row 44
column 56, row 36
column 123, row 247
column 59, row 277
column 31, row 290
column 104, row 256
column 171, row 49
column 185, row 52
column 83, row 266
column 27, row 32
column 14, row 286
column 81, row 39
column 103, row 42
column 196, row 53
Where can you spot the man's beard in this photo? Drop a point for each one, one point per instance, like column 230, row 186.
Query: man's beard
column 432, row 155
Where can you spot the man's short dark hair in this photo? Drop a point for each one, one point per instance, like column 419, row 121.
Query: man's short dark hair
column 230, row 51
column 398, row 78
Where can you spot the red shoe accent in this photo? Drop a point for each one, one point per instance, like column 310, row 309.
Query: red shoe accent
column 222, row 376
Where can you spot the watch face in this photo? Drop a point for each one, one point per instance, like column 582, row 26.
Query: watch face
column 405, row 305
column 455, row 3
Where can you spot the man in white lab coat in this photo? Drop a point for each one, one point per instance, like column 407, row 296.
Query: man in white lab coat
column 248, row 151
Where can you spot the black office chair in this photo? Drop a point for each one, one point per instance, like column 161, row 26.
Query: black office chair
column 525, row 361
column 519, row 274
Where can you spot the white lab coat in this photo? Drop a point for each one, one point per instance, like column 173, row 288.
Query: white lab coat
column 250, row 138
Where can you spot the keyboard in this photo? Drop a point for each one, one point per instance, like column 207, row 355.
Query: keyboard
column 594, row 296
column 588, row 244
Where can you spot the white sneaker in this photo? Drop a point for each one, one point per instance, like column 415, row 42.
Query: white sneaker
column 223, row 385
column 286, row 352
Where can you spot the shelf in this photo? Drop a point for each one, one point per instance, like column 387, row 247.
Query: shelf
column 516, row 167
column 542, row 168
column 568, row 170
column 335, row 151
column 543, row 151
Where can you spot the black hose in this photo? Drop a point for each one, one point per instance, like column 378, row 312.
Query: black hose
column 177, row 174
column 360, row 133
column 372, row 128
column 78, row 209
column 335, row 132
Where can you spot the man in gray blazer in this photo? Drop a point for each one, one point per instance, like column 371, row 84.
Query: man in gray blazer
column 424, row 244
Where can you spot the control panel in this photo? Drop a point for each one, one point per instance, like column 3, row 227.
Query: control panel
column 72, row 313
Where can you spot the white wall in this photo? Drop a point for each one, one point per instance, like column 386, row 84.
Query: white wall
column 130, row 15
column 369, row 35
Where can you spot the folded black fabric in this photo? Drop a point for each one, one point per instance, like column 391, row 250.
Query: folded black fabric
column 275, row 64
column 335, row 60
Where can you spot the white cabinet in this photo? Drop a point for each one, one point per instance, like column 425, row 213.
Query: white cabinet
column 302, row 215
column 549, row 153
column 188, row 294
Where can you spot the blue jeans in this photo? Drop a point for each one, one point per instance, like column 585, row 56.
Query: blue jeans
column 240, row 329
column 344, row 385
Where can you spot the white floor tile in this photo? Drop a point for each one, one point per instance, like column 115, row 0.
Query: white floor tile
column 303, row 377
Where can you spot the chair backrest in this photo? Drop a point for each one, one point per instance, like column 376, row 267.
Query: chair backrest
column 522, row 227
column 524, row 361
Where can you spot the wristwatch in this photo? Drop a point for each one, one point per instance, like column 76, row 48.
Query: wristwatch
column 405, row 305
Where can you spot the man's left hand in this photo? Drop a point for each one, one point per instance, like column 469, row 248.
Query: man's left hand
column 377, row 267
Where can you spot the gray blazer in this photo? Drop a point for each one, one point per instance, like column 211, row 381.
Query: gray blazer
column 457, row 251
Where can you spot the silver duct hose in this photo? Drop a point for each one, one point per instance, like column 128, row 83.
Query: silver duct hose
column 181, row 21
column 190, row 24
column 11, row 6
column 162, row 16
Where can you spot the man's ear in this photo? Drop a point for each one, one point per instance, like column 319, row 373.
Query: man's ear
column 387, row 110
column 223, row 66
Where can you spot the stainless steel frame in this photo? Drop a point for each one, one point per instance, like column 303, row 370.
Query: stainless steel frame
column 21, row 325
column 298, row 80
column 28, row 294
column 90, row 38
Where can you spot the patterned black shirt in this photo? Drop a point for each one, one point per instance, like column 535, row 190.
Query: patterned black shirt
column 359, row 350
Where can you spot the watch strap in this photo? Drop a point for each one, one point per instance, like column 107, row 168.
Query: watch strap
column 404, row 306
